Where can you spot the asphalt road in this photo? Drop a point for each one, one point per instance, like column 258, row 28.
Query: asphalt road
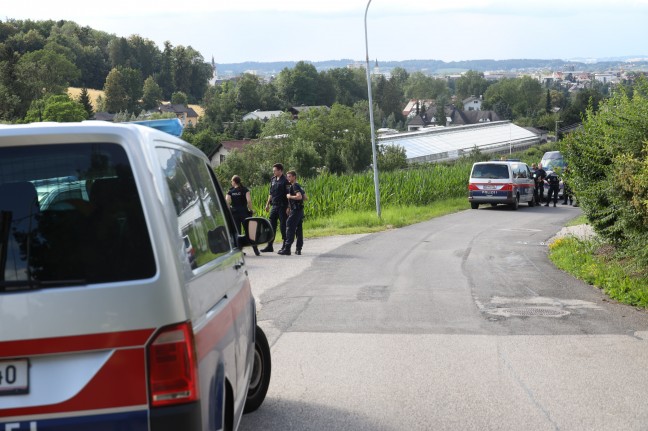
column 461, row 322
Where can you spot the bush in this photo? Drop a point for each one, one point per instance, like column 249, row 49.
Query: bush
column 608, row 170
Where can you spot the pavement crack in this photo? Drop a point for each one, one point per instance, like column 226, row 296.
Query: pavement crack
column 516, row 377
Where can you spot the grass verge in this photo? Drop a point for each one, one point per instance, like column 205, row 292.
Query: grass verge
column 589, row 261
column 351, row 222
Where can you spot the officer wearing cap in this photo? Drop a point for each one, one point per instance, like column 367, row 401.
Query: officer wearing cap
column 277, row 198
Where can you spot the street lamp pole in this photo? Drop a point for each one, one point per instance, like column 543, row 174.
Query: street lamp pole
column 371, row 120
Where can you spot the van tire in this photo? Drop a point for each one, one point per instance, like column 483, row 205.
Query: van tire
column 531, row 203
column 474, row 205
column 261, row 369
column 516, row 203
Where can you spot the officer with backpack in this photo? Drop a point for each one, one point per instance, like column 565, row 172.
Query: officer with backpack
column 554, row 188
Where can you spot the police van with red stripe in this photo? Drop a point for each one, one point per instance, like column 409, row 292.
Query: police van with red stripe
column 508, row 182
column 106, row 322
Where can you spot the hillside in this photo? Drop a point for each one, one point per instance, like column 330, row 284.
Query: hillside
column 75, row 92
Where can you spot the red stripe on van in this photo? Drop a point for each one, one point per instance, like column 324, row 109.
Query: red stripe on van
column 214, row 331
column 74, row 343
column 121, row 382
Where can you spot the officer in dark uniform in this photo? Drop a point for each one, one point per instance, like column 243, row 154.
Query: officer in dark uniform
column 295, row 197
column 540, row 175
column 554, row 188
column 277, row 198
column 240, row 202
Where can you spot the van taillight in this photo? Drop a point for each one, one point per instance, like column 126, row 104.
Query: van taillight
column 472, row 187
column 172, row 366
column 507, row 187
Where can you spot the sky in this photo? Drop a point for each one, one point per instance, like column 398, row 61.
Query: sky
column 234, row 31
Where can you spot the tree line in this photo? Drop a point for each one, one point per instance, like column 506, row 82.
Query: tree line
column 40, row 59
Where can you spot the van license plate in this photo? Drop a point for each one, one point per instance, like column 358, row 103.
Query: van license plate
column 490, row 187
column 14, row 377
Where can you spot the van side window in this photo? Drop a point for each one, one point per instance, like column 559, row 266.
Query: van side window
column 196, row 203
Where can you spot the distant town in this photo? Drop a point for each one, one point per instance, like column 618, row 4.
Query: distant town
column 493, row 69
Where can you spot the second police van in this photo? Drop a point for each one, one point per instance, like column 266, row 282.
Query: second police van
column 508, row 182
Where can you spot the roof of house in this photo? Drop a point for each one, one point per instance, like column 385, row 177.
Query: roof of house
column 470, row 99
column 178, row 109
column 411, row 105
column 262, row 115
column 448, row 143
column 459, row 117
column 231, row 145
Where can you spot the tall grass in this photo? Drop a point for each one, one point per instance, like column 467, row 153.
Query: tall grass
column 419, row 186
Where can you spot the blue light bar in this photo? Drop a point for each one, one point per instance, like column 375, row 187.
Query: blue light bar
column 172, row 126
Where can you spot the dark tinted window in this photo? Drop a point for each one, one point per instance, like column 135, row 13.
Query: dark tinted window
column 70, row 214
column 491, row 171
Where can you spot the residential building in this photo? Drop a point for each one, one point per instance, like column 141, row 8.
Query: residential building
column 218, row 155
column 186, row 114
column 472, row 103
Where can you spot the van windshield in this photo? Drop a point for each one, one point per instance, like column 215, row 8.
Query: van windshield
column 491, row 171
column 70, row 214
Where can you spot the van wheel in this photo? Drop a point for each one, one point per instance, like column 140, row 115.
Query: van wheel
column 516, row 203
column 531, row 203
column 260, row 379
column 474, row 205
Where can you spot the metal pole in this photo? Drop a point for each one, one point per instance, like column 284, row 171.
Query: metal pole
column 371, row 120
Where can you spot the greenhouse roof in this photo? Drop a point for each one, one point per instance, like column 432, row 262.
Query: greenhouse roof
column 448, row 143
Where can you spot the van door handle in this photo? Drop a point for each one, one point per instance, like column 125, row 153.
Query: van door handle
column 239, row 265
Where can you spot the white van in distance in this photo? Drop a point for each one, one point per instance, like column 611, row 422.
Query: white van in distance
column 507, row 182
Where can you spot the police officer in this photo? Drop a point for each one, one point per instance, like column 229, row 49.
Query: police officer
column 277, row 198
column 554, row 188
column 567, row 193
column 295, row 197
column 240, row 202
column 540, row 175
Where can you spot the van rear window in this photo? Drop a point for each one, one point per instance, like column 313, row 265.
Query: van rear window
column 70, row 214
column 491, row 171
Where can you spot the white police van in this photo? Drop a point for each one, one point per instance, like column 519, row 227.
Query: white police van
column 106, row 322
column 500, row 182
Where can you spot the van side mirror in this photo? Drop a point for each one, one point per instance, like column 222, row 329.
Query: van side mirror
column 258, row 230
column 218, row 241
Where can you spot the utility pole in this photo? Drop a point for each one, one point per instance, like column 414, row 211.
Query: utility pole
column 371, row 120
column 557, row 121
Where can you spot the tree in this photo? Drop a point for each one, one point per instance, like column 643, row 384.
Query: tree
column 391, row 158
column 84, row 100
column 179, row 98
column 59, row 108
column 165, row 78
column 151, row 94
column 512, row 98
column 247, row 93
column 471, row 83
column 389, row 98
column 44, row 72
column 422, row 86
column 298, row 86
column 116, row 95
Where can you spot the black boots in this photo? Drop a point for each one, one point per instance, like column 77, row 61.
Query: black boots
column 284, row 252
